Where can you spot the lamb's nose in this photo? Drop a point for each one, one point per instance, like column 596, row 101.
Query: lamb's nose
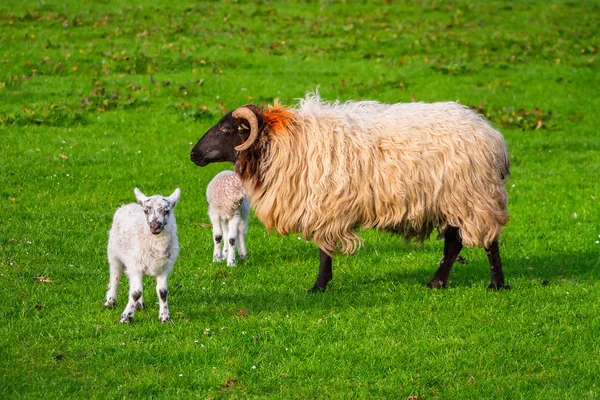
column 155, row 227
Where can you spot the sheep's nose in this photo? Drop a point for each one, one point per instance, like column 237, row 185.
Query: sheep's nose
column 155, row 227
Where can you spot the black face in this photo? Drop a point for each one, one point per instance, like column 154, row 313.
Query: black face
column 219, row 142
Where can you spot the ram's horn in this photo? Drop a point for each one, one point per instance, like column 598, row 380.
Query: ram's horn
column 248, row 115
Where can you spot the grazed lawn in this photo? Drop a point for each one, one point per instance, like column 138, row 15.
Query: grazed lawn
column 97, row 98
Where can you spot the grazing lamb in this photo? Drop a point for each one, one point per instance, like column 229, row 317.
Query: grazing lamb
column 143, row 241
column 325, row 169
column 228, row 209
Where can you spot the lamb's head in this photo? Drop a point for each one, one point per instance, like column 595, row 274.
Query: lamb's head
column 235, row 132
column 158, row 210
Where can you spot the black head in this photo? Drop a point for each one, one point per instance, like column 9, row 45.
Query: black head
column 225, row 140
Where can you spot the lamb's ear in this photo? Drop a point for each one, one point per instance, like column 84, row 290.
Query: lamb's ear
column 140, row 197
column 174, row 198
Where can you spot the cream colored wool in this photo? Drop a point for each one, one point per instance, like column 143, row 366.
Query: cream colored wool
column 408, row 168
column 225, row 193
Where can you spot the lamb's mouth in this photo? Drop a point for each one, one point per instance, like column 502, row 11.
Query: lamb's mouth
column 156, row 230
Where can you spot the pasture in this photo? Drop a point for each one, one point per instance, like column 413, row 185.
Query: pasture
column 97, row 98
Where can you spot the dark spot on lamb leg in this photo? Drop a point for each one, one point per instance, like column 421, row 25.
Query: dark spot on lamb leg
column 497, row 275
column 163, row 294
column 232, row 242
column 140, row 306
column 452, row 247
column 325, row 273
column 218, row 239
column 110, row 303
column 126, row 318
column 136, row 295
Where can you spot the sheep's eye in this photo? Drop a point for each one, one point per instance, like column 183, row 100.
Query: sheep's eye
column 164, row 212
column 146, row 211
column 224, row 129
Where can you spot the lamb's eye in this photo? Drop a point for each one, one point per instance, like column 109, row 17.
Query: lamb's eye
column 164, row 212
column 146, row 211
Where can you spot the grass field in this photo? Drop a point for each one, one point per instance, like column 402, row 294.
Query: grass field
column 97, row 98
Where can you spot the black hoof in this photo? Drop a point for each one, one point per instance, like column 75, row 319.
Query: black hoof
column 317, row 289
column 436, row 283
column 498, row 286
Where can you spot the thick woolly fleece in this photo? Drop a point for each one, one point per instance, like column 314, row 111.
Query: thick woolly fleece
column 329, row 168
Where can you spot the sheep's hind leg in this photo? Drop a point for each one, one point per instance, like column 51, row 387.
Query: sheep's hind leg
column 115, row 270
column 452, row 248
column 217, row 233
column 161, row 292
column 135, row 294
column 241, row 236
column 325, row 273
column 232, row 234
column 493, row 253
column 225, row 230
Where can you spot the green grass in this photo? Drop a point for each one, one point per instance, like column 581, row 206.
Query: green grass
column 99, row 97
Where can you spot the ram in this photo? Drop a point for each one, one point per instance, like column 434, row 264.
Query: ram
column 325, row 169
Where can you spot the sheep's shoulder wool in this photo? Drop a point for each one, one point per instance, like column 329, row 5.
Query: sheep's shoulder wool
column 278, row 118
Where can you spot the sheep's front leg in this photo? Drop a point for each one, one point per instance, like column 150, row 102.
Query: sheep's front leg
column 232, row 234
column 161, row 292
column 217, row 233
column 135, row 294
column 325, row 273
column 115, row 270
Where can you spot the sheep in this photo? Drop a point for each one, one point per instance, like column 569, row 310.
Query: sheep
column 143, row 241
column 325, row 169
column 228, row 209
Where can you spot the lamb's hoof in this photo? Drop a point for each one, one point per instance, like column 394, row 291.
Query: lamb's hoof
column 110, row 303
column 436, row 283
column 243, row 256
column 140, row 306
column 217, row 259
column 498, row 286
column 164, row 317
column 231, row 264
column 126, row 319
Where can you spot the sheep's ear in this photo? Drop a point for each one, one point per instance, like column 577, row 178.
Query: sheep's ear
column 140, row 197
column 174, row 198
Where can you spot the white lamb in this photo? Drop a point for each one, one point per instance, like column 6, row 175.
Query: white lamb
column 228, row 209
column 143, row 241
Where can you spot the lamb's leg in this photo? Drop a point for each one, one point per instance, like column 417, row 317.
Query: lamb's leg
column 452, row 248
column 225, row 230
column 493, row 253
column 243, row 228
column 232, row 234
column 135, row 294
column 115, row 271
column 325, row 273
column 217, row 233
column 161, row 292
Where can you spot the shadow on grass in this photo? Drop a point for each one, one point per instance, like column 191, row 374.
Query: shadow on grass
column 381, row 284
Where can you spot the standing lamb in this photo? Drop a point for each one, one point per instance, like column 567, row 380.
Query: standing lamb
column 228, row 209
column 143, row 241
column 325, row 169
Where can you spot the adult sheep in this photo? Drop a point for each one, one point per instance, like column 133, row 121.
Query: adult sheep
column 325, row 169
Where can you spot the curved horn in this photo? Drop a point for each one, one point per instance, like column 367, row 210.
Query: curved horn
column 247, row 114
